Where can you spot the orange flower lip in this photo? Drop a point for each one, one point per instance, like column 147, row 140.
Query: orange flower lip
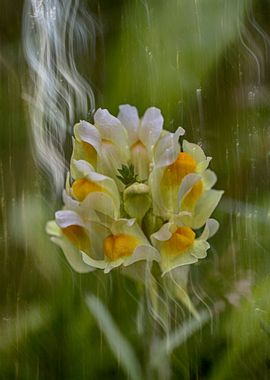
column 180, row 241
column 192, row 196
column 183, row 165
column 77, row 236
column 90, row 151
column 83, row 186
column 121, row 245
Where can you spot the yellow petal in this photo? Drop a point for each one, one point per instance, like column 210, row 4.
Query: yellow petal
column 90, row 153
column 77, row 236
column 183, row 165
column 194, row 150
column 121, row 245
column 87, row 142
column 192, row 196
column 82, row 187
column 73, row 255
column 203, row 208
column 179, row 242
column 172, row 178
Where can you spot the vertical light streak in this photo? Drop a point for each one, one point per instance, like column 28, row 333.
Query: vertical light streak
column 56, row 92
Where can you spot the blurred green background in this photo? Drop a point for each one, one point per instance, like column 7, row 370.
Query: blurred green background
column 205, row 63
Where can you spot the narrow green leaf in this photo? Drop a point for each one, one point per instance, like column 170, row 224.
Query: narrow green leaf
column 120, row 347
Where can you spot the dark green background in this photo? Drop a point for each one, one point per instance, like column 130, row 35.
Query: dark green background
column 205, row 63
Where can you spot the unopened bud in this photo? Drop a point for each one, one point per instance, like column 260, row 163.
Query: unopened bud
column 137, row 200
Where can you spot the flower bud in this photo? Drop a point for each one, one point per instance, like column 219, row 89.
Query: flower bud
column 137, row 200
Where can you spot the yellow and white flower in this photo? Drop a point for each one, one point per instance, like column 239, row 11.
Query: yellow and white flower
column 71, row 234
column 104, row 145
column 92, row 245
column 123, row 243
column 178, row 244
column 134, row 195
column 142, row 136
column 197, row 198
column 91, row 191
column 180, row 181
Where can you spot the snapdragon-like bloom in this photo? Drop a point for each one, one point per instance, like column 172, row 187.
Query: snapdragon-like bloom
column 134, row 193
column 142, row 136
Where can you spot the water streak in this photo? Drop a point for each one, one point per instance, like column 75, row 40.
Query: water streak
column 53, row 30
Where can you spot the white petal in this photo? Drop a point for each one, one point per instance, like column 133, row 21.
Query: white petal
column 98, row 233
column 203, row 165
column 194, row 150
column 105, row 220
column 106, row 182
column 87, row 132
column 99, row 264
column 101, row 202
column 164, row 233
column 209, row 179
column 151, row 127
column 129, row 117
column 159, row 206
column 111, row 129
column 177, row 219
column 199, row 249
column 129, row 227
column 110, row 160
column 211, row 227
column 186, row 185
column 122, row 224
column 167, row 148
column 81, row 152
column 167, row 263
column 85, row 213
column 65, row 218
column 106, row 265
column 142, row 252
column 73, row 255
column 82, row 168
column 140, row 158
column 113, row 264
column 53, row 229
column 70, row 203
column 205, row 206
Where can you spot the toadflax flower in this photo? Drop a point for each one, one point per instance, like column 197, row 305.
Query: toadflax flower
column 135, row 194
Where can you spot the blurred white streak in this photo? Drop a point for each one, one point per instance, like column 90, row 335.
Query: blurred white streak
column 120, row 347
column 57, row 93
column 164, row 347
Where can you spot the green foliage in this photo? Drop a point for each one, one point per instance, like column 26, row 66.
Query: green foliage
column 167, row 49
column 128, row 176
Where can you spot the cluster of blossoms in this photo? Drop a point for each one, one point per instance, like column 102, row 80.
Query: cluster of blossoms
column 134, row 193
